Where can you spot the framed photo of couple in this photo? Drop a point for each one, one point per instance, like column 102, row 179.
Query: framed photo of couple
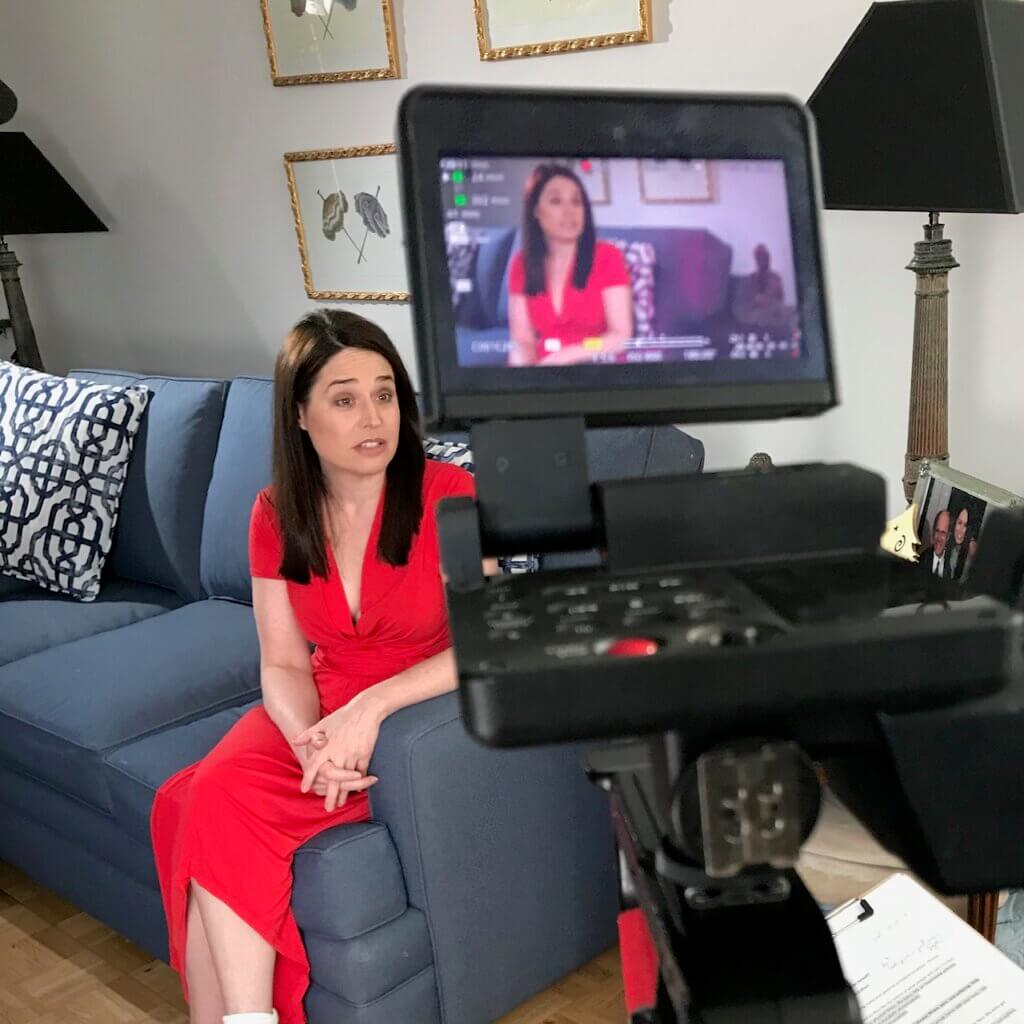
column 952, row 509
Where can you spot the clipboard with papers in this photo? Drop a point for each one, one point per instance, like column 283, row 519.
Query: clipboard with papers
column 911, row 960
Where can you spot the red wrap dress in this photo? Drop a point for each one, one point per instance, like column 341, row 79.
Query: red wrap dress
column 233, row 820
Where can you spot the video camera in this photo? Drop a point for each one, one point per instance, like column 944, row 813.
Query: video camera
column 598, row 259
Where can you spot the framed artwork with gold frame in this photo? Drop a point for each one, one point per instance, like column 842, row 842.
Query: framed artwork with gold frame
column 675, row 181
column 314, row 41
column 346, row 206
column 530, row 28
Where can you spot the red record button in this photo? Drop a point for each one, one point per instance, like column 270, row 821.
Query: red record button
column 634, row 647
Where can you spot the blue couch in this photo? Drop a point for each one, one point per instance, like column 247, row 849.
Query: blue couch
column 483, row 877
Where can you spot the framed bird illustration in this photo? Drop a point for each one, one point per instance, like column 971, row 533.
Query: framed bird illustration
column 315, row 41
column 346, row 208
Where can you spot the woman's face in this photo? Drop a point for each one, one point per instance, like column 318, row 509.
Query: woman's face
column 960, row 527
column 352, row 414
column 560, row 211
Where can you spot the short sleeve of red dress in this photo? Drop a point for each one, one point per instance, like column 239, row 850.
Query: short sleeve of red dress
column 443, row 480
column 265, row 549
column 609, row 267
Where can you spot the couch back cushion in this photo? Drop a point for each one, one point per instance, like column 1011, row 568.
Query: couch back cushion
column 161, row 519
column 240, row 471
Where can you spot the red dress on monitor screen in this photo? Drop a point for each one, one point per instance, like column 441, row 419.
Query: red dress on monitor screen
column 582, row 313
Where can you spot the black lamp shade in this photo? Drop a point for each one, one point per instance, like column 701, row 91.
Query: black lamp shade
column 924, row 109
column 34, row 198
column 8, row 103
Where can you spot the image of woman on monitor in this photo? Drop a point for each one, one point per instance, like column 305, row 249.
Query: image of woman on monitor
column 569, row 294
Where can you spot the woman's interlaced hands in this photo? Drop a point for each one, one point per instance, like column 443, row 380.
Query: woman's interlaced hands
column 337, row 752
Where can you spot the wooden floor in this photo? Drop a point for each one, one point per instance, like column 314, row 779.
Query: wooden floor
column 60, row 966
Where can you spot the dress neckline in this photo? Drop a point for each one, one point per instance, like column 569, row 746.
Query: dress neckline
column 369, row 552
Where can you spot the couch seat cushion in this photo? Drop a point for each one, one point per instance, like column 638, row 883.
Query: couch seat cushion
column 138, row 769
column 34, row 620
column 62, row 709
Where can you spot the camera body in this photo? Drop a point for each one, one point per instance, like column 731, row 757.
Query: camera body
column 741, row 629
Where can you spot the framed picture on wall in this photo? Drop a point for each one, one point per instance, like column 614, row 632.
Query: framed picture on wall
column 346, row 208
column 675, row 181
column 314, row 41
column 951, row 511
column 529, row 28
column 595, row 178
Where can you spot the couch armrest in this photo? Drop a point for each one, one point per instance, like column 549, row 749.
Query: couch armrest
column 509, row 854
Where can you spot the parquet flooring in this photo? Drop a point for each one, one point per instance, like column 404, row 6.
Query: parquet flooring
column 61, row 966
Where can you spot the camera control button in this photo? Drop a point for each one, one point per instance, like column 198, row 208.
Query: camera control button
column 633, row 647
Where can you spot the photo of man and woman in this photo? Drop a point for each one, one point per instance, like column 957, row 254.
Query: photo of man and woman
column 556, row 262
column 948, row 529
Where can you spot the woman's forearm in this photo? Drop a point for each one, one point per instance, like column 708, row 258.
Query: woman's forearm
column 614, row 341
column 522, row 352
column 291, row 699
column 430, row 678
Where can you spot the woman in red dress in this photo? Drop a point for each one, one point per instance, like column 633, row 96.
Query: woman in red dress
column 569, row 296
column 344, row 555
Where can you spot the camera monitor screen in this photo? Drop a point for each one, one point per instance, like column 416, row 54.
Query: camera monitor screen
column 623, row 287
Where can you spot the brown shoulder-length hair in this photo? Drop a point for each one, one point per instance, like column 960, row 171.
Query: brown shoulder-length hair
column 535, row 246
column 300, row 489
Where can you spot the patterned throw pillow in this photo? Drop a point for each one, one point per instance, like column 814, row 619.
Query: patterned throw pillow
column 460, row 454
column 640, row 259
column 64, row 451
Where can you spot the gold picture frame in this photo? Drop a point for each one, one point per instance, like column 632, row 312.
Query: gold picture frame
column 694, row 186
column 281, row 75
column 601, row 40
column 373, row 216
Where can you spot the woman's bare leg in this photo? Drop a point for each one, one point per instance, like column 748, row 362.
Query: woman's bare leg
column 243, row 959
column 205, row 1000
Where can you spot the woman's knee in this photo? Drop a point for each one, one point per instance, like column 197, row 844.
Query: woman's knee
column 217, row 785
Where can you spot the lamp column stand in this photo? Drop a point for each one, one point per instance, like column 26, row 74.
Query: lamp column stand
column 928, row 426
column 26, row 352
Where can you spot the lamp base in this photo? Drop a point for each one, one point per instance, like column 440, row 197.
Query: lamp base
column 26, row 351
column 927, row 427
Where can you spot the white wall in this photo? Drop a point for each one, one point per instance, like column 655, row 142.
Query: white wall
column 164, row 117
column 749, row 206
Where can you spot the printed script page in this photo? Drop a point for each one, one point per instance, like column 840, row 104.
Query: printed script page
column 910, row 960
